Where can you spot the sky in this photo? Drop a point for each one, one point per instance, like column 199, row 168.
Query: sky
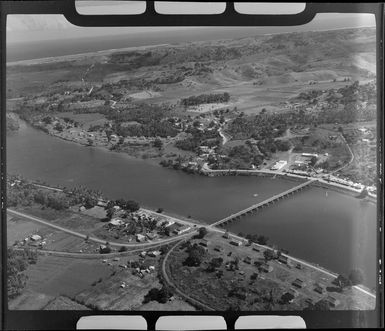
column 27, row 28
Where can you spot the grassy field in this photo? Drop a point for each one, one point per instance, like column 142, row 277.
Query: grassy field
column 262, row 293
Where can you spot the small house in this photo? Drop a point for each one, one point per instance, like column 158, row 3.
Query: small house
column 143, row 254
column 319, row 288
column 298, row 283
column 154, row 253
column 266, row 267
column 256, row 248
column 293, row 292
column 204, row 242
column 35, row 237
column 151, row 235
column 226, row 235
column 299, row 266
column 116, row 222
column 218, row 248
column 182, row 229
column 283, row 259
column 247, row 260
column 82, row 208
column 140, row 237
column 236, row 242
column 332, row 301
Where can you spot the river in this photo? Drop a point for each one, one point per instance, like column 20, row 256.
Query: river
column 336, row 231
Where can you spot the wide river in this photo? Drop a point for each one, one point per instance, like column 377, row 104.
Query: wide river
column 331, row 229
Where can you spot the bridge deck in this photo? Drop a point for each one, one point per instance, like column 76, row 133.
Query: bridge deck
column 262, row 203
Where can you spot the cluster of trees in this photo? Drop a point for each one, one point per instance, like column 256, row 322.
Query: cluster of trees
column 199, row 138
column 259, row 239
column 83, row 195
column 127, row 205
column 149, row 121
column 26, row 196
column 205, row 98
column 17, row 262
column 355, row 277
column 196, row 253
column 161, row 295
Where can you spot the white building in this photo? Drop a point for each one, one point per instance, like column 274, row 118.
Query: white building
column 279, row 165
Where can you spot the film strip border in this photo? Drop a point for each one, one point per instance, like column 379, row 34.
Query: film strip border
column 230, row 17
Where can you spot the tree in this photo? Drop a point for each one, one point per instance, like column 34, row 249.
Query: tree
column 342, row 281
column 132, row 206
column 158, row 143
column 356, row 276
column 202, row 232
column 195, row 256
column 268, row 255
column 215, row 263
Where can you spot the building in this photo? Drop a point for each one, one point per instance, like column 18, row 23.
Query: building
column 204, row 242
column 319, row 288
column 35, row 237
column 140, row 237
column 154, row 253
column 152, row 235
column 236, row 242
column 283, row 259
column 247, row 260
column 279, row 165
column 256, row 248
column 298, row 283
column 169, row 223
column 182, row 229
column 266, row 267
column 332, row 301
column 116, row 222
column 226, row 235
column 218, row 248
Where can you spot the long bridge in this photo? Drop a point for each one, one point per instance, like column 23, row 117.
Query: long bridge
column 262, row 204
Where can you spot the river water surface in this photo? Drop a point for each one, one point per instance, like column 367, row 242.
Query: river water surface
column 334, row 230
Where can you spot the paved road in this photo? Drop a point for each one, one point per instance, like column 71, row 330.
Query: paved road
column 98, row 240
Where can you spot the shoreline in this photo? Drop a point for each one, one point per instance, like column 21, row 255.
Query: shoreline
column 319, row 182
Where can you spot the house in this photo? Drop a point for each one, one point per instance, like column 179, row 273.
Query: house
column 283, row 259
column 292, row 292
column 255, row 248
column 204, row 242
column 332, row 301
column 182, row 229
column 236, row 242
column 299, row 266
column 319, row 288
column 102, row 203
column 309, row 301
column 218, row 248
column 298, row 283
column 266, row 267
column 115, row 222
column 154, row 253
column 140, row 237
column 152, row 235
column 226, row 235
column 247, row 260
column 279, row 165
column 143, row 254
column 82, row 208
column 169, row 223
column 35, row 237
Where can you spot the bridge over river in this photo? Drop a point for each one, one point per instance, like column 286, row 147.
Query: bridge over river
column 262, row 204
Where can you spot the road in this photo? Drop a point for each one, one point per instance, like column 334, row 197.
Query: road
column 97, row 240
